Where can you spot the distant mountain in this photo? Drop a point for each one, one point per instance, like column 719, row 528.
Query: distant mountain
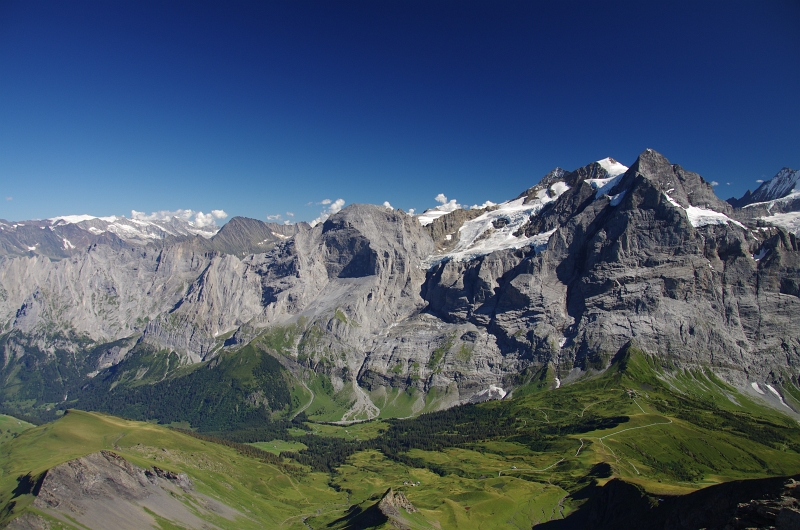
column 242, row 236
column 64, row 236
column 775, row 202
column 780, row 186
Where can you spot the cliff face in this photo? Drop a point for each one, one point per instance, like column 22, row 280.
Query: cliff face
column 655, row 260
column 599, row 259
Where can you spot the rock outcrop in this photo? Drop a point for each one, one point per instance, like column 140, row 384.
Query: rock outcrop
column 103, row 490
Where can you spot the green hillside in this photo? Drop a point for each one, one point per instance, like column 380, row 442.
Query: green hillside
column 515, row 462
column 265, row 494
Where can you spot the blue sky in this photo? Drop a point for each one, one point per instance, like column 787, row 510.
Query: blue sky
column 264, row 108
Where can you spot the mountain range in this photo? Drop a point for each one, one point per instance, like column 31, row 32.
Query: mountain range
column 395, row 314
column 614, row 346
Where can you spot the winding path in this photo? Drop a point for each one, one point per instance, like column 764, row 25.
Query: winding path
column 310, row 401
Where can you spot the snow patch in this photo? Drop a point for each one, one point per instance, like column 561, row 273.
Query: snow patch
column 67, row 244
column 780, row 397
column 757, row 388
column 494, row 230
column 789, row 221
column 701, row 217
column 616, row 199
column 558, row 382
column 612, row 167
column 32, row 248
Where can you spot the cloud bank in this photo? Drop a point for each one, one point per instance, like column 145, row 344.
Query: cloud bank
column 195, row 217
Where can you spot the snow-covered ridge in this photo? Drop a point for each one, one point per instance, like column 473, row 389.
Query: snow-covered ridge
column 494, row 230
column 778, row 187
column 701, row 216
column 142, row 228
column 612, row 167
column 430, row 215
column 74, row 219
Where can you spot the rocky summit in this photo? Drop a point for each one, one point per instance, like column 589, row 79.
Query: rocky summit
column 462, row 308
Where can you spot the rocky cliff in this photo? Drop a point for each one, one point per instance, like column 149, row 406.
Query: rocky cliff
column 563, row 276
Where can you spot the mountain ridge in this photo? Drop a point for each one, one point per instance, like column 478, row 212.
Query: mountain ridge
column 565, row 275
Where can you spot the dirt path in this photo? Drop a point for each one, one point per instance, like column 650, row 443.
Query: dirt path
column 530, row 470
column 310, row 401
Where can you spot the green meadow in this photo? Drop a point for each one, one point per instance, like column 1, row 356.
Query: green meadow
column 501, row 464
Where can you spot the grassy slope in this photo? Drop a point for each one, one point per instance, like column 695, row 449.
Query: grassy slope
column 267, row 496
column 671, row 432
column 11, row 427
column 680, row 431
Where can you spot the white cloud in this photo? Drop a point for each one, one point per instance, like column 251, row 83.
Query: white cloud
column 203, row 220
column 445, row 205
column 334, row 207
column 9, row 198
column 728, row 183
column 484, row 205
column 274, row 217
column 289, row 214
column 714, row 183
column 325, row 201
column 411, row 211
column 759, row 181
column 387, row 205
column 197, row 218
column 162, row 215
column 449, row 206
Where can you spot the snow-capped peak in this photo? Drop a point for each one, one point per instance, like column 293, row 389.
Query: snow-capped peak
column 778, row 187
column 74, row 219
column 141, row 228
column 612, row 167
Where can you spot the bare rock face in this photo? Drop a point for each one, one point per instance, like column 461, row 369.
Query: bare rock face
column 635, row 270
column 103, row 490
column 649, row 256
column 444, row 230
column 394, row 501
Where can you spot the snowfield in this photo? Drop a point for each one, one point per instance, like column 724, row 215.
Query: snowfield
column 494, row 230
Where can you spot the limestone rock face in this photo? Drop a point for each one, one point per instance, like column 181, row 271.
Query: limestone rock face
column 600, row 257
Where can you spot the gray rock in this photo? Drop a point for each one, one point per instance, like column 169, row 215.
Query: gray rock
column 363, row 308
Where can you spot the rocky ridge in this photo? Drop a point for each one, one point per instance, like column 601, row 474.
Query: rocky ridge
column 103, row 490
column 564, row 276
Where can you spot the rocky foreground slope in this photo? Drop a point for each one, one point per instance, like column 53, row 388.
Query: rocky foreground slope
column 103, row 490
column 562, row 278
